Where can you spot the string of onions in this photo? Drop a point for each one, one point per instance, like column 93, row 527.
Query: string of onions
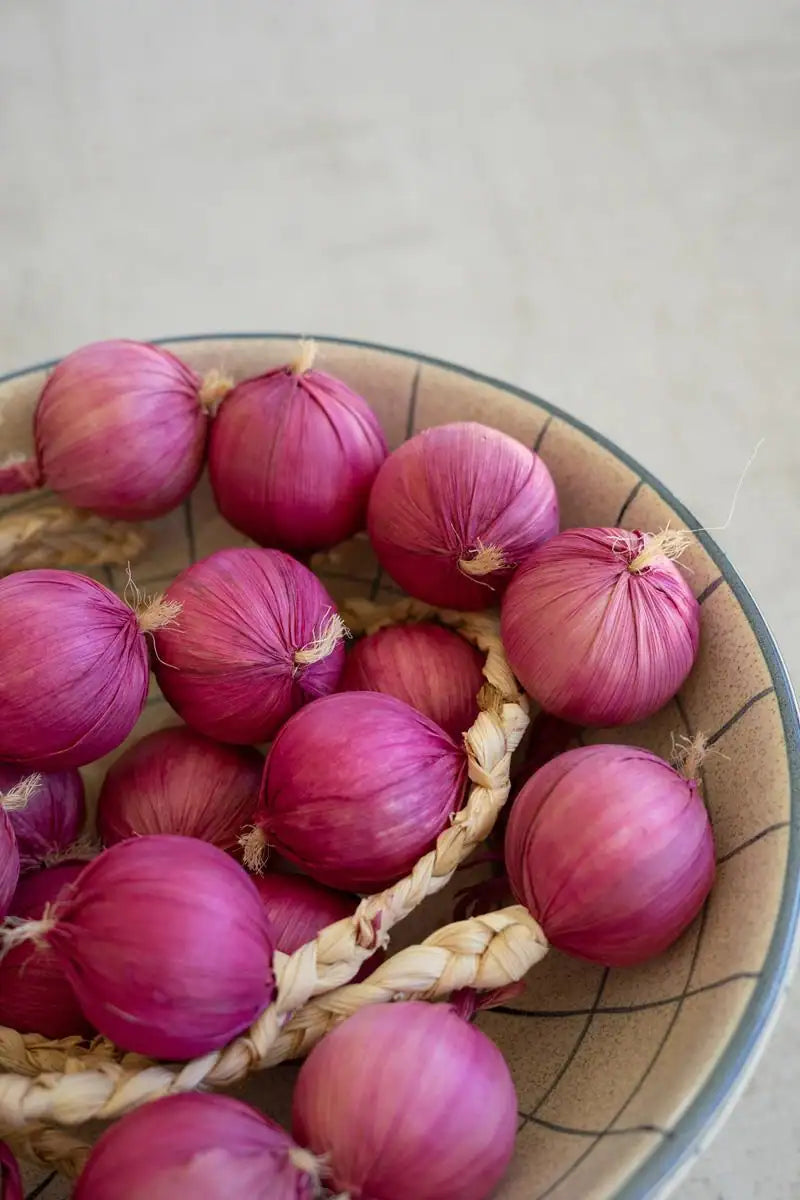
column 74, row 667
column 120, row 428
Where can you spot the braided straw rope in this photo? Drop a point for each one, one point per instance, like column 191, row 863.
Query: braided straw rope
column 49, row 535
column 64, row 1083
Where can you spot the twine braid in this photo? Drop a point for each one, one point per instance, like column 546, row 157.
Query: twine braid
column 68, row 1084
column 50, row 535
column 484, row 952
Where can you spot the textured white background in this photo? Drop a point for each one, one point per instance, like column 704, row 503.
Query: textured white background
column 596, row 199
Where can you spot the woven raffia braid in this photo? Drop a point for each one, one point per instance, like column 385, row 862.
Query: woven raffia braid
column 49, row 535
column 64, row 1083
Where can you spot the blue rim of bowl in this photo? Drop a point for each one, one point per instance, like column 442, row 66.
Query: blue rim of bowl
column 698, row 1117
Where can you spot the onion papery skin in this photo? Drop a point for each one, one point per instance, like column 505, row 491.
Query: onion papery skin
column 404, row 1100
column 592, row 641
column 612, row 852
column 228, row 666
column 357, row 787
column 449, row 492
column 10, row 1179
column 178, row 781
column 167, row 945
column 35, row 994
column 195, row 1146
column 299, row 908
column 120, row 430
column 435, row 671
column 9, row 861
column 53, row 817
column 74, row 669
column 292, row 458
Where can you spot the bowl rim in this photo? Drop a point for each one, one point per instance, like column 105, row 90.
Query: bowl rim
column 721, row 1089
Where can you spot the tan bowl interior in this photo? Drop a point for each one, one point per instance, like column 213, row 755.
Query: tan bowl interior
column 605, row 1062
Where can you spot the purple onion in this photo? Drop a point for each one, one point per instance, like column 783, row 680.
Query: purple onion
column 53, row 816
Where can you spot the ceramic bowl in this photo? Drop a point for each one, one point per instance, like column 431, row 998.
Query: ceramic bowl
column 621, row 1074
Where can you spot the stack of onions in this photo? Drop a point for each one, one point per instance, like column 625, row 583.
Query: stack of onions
column 74, row 667
column 177, row 781
column 599, row 625
column 166, row 943
column 35, row 993
column 454, row 510
column 293, row 455
column 209, row 1147
column 121, row 429
column 356, row 788
column 611, row 850
column 406, row 1100
column 258, row 637
column 435, row 671
column 50, row 819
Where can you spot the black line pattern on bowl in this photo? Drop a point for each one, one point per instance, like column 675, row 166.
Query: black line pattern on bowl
column 751, row 841
column 606, row 1010
column 632, row 494
column 542, row 434
column 41, row 1187
column 709, row 591
column 737, row 716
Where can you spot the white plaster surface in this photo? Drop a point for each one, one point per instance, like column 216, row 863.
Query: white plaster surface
column 596, row 199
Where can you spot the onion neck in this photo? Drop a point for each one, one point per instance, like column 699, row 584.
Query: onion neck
column 688, row 756
column 333, row 631
column 483, row 560
column 305, row 355
column 669, row 543
column 214, row 387
column 17, row 797
column 156, row 612
column 253, row 843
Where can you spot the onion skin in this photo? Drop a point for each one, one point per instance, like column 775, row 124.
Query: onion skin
column 357, row 787
column 199, row 1146
column 9, row 861
column 167, row 945
column 405, row 1100
column 53, row 817
column 228, row 666
column 292, row 458
column 35, row 994
column 611, row 850
column 74, row 669
column 435, row 671
column 177, row 781
column 592, row 641
column 10, row 1179
column 119, row 429
column 447, row 493
column 299, row 908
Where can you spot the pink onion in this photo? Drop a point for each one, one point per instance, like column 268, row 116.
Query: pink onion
column 74, row 667
column 600, row 627
column 10, row 1179
column 9, row 861
column 407, row 1100
column 166, row 943
column 121, row 429
column 35, row 994
column 435, row 671
column 258, row 637
column 356, row 788
column 298, row 909
column 611, row 850
column 292, row 457
column 198, row 1146
column 177, row 781
column 52, row 817
column 455, row 509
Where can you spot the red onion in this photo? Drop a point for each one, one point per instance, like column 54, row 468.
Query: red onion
column 35, row 994
column 166, row 943
column 121, row 429
column 455, row 509
column 52, row 817
column 298, row 909
column 203, row 1147
column 74, row 667
column 177, row 781
column 435, row 671
column 258, row 637
column 10, row 1180
column 9, row 857
column 357, row 787
column 292, row 457
column 600, row 626
column 611, row 851
column 407, row 1100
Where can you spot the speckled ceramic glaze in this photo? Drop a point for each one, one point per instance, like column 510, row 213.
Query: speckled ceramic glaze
column 621, row 1074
